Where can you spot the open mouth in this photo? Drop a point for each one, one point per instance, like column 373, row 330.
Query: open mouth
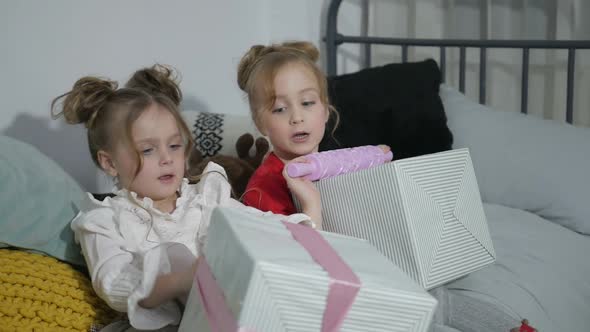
column 300, row 136
column 166, row 177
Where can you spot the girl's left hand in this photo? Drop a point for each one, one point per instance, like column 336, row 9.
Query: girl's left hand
column 305, row 192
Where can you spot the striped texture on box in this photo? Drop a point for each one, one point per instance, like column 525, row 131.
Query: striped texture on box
column 272, row 284
column 424, row 213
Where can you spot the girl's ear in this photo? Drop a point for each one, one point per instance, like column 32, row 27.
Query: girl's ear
column 107, row 163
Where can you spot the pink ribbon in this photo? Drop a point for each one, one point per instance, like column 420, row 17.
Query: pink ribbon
column 344, row 285
column 212, row 299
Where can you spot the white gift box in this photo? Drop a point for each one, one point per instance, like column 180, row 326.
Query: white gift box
column 271, row 283
column 424, row 213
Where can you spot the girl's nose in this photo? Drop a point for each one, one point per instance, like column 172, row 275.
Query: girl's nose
column 165, row 157
column 296, row 117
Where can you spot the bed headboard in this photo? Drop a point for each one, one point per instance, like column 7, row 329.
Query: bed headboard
column 334, row 39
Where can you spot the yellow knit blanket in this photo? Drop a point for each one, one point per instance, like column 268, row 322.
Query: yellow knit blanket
column 40, row 293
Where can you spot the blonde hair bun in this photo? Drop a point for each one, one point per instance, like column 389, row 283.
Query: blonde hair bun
column 305, row 47
column 257, row 52
column 85, row 100
column 157, row 79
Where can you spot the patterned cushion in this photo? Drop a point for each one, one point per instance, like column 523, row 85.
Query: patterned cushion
column 216, row 133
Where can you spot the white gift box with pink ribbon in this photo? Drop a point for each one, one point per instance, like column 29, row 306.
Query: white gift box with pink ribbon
column 262, row 274
column 424, row 213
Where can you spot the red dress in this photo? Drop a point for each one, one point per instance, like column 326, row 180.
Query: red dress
column 267, row 189
column 524, row 327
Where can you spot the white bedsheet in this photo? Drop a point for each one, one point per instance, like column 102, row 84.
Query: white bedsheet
column 542, row 273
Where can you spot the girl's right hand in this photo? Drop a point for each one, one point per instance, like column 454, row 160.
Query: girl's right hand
column 169, row 286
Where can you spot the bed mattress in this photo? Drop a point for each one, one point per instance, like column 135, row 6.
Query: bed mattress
column 532, row 278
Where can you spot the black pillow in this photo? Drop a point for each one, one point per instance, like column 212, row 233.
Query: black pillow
column 396, row 104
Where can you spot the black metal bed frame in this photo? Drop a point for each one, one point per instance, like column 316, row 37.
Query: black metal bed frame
column 333, row 39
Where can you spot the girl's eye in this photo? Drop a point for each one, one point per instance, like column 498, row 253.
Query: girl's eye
column 308, row 103
column 279, row 110
column 175, row 146
column 147, row 151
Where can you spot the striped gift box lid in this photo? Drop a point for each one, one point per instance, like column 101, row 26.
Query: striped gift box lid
column 424, row 213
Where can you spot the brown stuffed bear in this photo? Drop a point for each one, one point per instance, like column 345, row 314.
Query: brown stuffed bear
column 239, row 170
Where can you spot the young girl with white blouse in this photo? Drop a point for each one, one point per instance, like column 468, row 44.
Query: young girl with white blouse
column 141, row 246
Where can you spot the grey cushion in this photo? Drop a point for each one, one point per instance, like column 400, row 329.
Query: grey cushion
column 523, row 161
column 37, row 202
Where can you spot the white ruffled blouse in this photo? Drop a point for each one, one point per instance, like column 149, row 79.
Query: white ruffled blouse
column 127, row 242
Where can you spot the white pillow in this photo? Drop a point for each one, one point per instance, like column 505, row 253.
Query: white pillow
column 523, row 161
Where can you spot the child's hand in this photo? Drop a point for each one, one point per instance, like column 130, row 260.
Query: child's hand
column 306, row 193
column 186, row 277
column 384, row 147
column 173, row 285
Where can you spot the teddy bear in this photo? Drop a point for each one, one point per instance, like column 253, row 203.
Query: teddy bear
column 239, row 169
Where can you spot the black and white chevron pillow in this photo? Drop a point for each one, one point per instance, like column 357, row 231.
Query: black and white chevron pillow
column 217, row 133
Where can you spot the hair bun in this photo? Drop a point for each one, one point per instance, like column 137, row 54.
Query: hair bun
column 305, row 47
column 81, row 104
column 257, row 52
column 248, row 62
column 157, row 79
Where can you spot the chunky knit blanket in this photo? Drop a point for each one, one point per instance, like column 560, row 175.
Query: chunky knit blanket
column 41, row 293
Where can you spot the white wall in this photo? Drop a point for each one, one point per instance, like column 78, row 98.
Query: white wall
column 47, row 45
